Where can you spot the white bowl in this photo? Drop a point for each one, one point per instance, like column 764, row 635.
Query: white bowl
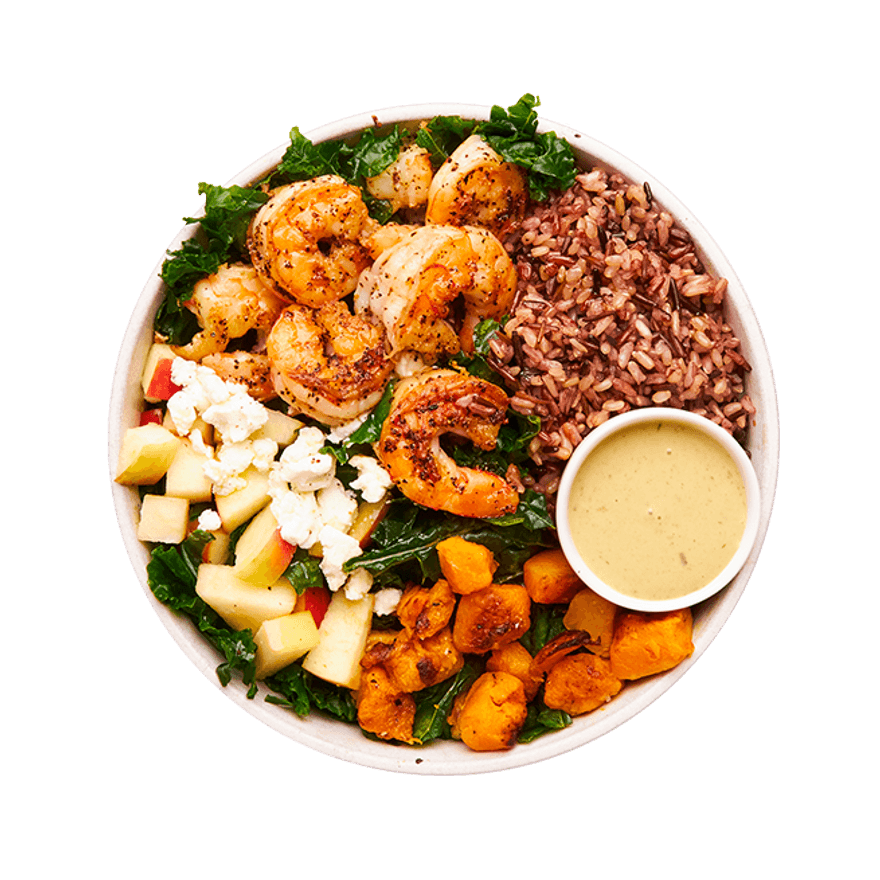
column 446, row 757
column 619, row 423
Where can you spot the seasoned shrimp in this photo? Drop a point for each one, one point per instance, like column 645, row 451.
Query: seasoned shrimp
column 475, row 186
column 412, row 286
column 251, row 369
column 328, row 363
column 227, row 305
column 405, row 182
column 305, row 239
column 423, row 408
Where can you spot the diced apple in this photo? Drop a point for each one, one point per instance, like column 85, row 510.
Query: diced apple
column 216, row 551
column 239, row 506
column 369, row 515
column 279, row 427
column 343, row 636
column 151, row 417
column 316, row 600
column 261, row 554
column 156, row 379
column 164, row 519
column 185, row 477
column 284, row 639
column 240, row 604
column 145, row 455
column 200, row 425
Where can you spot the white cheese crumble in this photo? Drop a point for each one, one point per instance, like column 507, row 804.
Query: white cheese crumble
column 386, row 600
column 209, row 521
column 372, row 480
column 359, row 583
column 336, row 548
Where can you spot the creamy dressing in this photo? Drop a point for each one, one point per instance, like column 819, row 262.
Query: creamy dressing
column 657, row 510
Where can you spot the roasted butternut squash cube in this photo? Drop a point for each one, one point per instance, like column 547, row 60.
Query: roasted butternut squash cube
column 490, row 618
column 646, row 643
column 466, row 565
column 382, row 709
column 580, row 683
column 549, row 578
column 592, row 613
column 414, row 663
column 515, row 659
column 424, row 611
column 492, row 713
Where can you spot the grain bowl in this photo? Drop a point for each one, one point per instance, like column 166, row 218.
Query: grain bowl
column 757, row 431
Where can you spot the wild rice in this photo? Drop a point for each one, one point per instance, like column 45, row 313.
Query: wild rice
column 614, row 310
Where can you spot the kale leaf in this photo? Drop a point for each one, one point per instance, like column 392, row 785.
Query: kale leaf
column 434, row 704
column 220, row 238
column 171, row 574
column 513, row 134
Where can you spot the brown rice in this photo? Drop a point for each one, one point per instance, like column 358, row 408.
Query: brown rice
column 614, row 310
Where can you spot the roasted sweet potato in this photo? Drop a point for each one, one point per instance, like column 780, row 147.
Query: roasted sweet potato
column 549, row 578
column 580, row 683
column 491, row 714
column 424, row 611
column 466, row 565
column 490, row 618
column 382, row 709
column 592, row 613
column 515, row 659
column 648, row 643
column 413, row 664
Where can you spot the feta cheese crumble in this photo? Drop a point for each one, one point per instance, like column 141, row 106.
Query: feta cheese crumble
column 209, row 521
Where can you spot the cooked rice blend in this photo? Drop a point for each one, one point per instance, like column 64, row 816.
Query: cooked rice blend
column 614, row 310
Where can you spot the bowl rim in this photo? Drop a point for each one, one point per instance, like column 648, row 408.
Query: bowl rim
column 617, row 424
column 447, row 758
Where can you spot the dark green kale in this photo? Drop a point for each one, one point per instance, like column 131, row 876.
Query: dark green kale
column 513, row 133
column 171, row 575
column 220, row 238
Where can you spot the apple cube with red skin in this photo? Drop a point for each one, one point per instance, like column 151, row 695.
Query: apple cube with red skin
column 151, row 417
column 316, row 600
column 164, row 519
column 239, row 506
column 282, row 640
column 369, row 515
column 145, row 455
column 186, row 477
column 240, row 604
column 261, row 554
column 343, row 637
column 217, row 550
column 156, row 379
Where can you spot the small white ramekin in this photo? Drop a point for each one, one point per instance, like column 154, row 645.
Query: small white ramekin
column 677, row 416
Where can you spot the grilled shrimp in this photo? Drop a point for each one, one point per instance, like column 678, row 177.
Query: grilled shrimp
column 227, row 305
column 406, row 181
column 475, row 186
column 423, row 408
column 305, row 239
column 251, row 369
column 412, row 286
column 328, row 363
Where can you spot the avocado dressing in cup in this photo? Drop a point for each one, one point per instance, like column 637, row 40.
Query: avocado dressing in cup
column 657, row 509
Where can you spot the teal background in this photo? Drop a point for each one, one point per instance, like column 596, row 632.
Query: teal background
column 119, row 757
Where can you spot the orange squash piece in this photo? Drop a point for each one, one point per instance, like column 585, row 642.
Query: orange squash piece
column 549, row 578
column 490, row 618
column 382, row 709
column 592, row 613
column 466, row 565
column 647, row 643
column 580, row 683
column 492, row 713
